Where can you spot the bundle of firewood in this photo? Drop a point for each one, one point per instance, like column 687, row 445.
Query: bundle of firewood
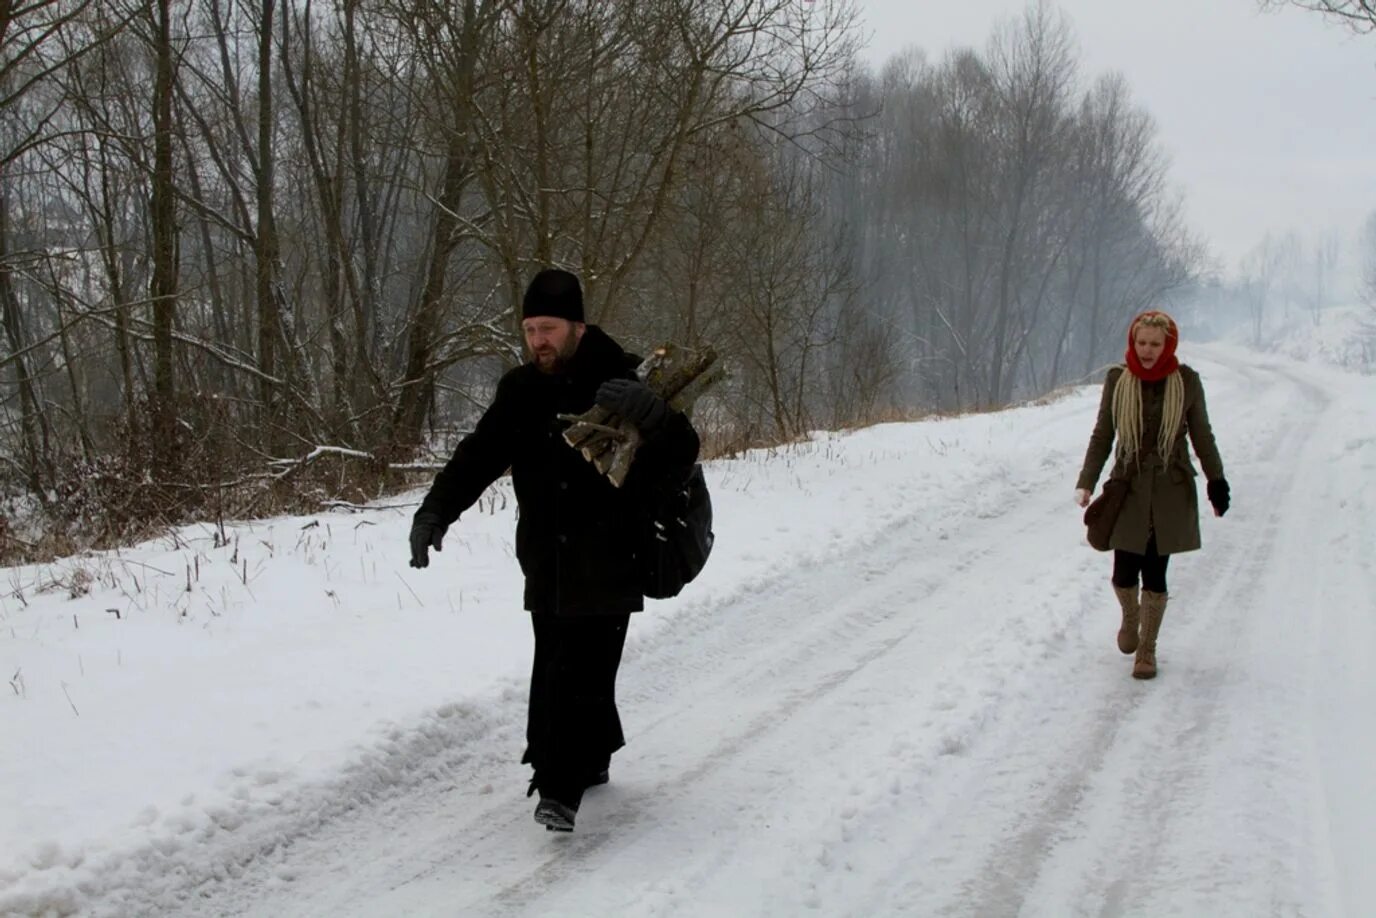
column 676, row 374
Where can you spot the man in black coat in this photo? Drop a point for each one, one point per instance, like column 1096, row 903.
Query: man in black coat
column 577, row 535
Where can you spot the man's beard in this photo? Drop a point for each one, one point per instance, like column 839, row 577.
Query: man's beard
column 553, row 362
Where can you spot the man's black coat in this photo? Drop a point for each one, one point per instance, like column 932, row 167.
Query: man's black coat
column 577, row 534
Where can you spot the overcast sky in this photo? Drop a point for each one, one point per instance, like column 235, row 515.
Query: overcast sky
column 1269, row 118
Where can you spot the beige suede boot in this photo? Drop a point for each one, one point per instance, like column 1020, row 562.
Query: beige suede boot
column 1127, row 634
column 1153, row 609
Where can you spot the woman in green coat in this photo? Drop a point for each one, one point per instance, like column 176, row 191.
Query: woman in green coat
column 1149, row 405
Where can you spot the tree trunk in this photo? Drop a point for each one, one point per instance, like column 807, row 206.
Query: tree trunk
column 265, row 247
column 164, row 280
column 115, row 278
column 74, row 367
column 418, row 386
column 37, row 471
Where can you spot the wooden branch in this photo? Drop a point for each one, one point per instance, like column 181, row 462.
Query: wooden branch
column 677, row 375
column 283, row 468
column 683, row 400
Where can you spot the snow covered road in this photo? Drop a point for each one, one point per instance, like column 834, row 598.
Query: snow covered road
column 902, row 696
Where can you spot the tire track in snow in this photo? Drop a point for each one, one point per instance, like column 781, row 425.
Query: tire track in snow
column 860, row 625
column 1066, row 831
column 1232, row 600
column 656, row 669
column 1225, row 632
column 1334, row 603
column 765, row 672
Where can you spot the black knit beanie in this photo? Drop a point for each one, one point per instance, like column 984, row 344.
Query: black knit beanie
column 555, row 293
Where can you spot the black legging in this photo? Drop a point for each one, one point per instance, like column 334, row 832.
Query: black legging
column 572, row 726
column 1127, row 566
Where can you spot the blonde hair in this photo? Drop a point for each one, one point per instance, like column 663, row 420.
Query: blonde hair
column 1127, row 399
column 1155, row 319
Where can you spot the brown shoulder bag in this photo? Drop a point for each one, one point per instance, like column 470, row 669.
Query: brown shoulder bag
column 1102, row 513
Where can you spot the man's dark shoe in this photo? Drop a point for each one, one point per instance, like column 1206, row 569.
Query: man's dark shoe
column 554, row 816
column 601, row 777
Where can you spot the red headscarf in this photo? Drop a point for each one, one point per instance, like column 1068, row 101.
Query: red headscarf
column 1167, row 363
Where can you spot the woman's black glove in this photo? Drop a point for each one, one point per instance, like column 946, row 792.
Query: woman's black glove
column 426, row 531
column 634, row 401
column 1218, row 495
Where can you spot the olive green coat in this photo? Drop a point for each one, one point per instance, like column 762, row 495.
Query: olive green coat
column 1161, row 495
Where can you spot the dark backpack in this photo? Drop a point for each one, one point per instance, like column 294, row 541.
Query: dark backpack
column 677, row 538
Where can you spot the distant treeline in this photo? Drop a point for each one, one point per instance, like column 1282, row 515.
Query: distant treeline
column 234, row 235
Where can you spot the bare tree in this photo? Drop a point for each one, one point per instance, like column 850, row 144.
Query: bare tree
column 164, row 224
column 1128, row 220
column 328, row 86
column 1262, row 269
column 1032, row 71
column 1366, row 267
column 611, row 100
column 1367, row 259
column 1326, row 252
column 34, row 44
column 454, row 45
column 1357, row 15
column 792, row 284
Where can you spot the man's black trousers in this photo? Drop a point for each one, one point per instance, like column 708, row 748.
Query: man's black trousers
column 572, row 727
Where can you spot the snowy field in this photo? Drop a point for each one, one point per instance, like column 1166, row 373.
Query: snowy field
column 894, row 690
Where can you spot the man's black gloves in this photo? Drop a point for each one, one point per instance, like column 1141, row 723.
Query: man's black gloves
column 426, row 531
column 1218, row 495
column 634, row 401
